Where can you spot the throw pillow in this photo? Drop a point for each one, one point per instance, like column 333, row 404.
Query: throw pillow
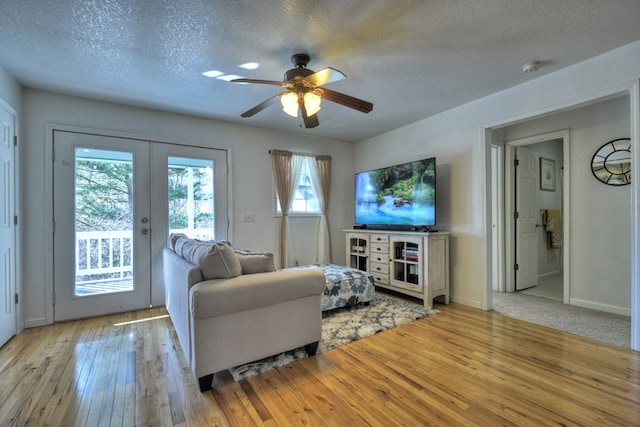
column 173, row 238
column 216, row 260
column 255, row 262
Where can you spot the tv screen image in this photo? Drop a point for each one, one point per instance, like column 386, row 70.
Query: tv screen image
column 397, row 196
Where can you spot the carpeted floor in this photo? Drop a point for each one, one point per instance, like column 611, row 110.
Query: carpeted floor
column 611, row 328
column 344, row 325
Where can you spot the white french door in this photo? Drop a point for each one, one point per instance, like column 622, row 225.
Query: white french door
column 115, row 202
column 189, row 196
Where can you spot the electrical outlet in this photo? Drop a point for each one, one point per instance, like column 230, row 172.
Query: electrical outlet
column 249, row 217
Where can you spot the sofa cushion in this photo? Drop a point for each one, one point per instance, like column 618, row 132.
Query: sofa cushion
column 216, row 260
column 255, row 262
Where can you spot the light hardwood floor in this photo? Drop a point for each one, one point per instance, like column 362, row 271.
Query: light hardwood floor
column 459, row 367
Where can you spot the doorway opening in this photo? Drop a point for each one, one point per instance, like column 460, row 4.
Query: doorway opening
column 595, row 238
column 531, row 219
column 539, row 221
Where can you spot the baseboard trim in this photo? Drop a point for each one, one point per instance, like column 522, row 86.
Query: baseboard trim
column 549, row 274
column 34, row 323
column 467, row 302
column 600, row 307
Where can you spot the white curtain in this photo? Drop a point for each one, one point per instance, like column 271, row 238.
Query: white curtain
column 283, row 179
column 286, row 173
column 320, row 171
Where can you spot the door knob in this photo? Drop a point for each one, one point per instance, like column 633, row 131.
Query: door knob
column 144, row 231
column 144, row 220
column 538, row 225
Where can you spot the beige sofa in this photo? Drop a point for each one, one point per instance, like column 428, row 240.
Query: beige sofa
column 230, row 308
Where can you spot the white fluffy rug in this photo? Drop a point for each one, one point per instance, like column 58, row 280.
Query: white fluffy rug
column 343, row 325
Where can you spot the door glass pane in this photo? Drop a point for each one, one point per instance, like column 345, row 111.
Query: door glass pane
column 191, row 198
column 103, row 221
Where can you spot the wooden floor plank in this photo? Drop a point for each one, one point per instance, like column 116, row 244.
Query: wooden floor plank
column 459, row 367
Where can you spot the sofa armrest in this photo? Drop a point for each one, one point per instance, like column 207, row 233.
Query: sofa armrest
column 179, row 270
column 223, row 296
column 179, row 276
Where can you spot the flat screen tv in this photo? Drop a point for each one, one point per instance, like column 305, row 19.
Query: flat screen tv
column 397, row 197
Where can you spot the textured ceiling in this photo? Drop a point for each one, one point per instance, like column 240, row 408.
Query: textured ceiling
column 411, row 59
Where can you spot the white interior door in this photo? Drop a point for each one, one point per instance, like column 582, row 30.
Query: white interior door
column 527, row 220
column 8, row 320
column 115, row 202
column 102, row 225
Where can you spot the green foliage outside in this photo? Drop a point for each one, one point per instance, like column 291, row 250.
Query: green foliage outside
column 104, row 196
column 178, row 198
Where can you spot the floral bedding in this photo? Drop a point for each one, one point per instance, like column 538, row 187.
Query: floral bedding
column 345, row 286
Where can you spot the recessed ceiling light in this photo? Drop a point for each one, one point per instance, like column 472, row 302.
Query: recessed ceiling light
column 229, row 77
column 250, row 66
column 531, row 67
column 213, row 73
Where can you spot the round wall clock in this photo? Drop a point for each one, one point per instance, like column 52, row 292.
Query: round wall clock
column 611, row 164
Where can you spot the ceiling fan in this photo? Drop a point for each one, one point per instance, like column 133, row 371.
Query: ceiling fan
column 304, row 92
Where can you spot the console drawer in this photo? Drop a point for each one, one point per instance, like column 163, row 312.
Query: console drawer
column 379, row 249
column 379, row 268
column 379, row 238
column 380, row 258
column 380, row 279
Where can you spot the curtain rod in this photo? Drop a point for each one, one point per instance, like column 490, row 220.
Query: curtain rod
column 301, row 154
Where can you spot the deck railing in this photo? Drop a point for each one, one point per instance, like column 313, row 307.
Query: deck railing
column 106, row 255
column 101, row 253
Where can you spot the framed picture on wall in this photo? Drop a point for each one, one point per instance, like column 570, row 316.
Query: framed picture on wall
column 547, row 174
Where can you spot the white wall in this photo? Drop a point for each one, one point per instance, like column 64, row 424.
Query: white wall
column 252, row 190
column 456, row 138
column 600, row 258
column 10, row 90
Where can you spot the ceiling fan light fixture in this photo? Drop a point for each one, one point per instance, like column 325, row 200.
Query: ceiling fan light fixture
column 304, row 91
column 289, row 103
column 311, row 103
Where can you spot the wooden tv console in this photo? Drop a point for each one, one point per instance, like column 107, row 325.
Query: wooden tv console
column 409, row 262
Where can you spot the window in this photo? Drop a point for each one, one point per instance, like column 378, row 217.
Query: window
column 304, row 199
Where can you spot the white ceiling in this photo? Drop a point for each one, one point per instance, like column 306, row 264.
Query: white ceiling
column 410, row 58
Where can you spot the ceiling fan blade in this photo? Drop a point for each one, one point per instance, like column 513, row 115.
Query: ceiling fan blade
column 274, row 99
column 346, row 100
column 309, row 122
column 328, row 75
column 262, row 82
